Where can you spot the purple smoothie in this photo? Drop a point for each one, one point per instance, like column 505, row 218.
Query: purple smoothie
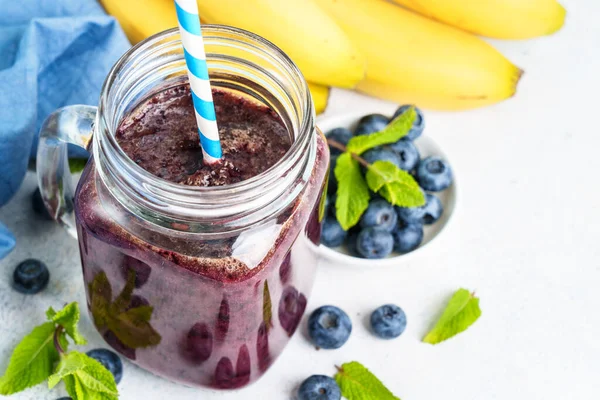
column 199, row 312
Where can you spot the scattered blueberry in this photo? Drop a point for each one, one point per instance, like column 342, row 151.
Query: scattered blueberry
column 371, row 123
column 332, row 188
column 408, row 153
column 110, row 360
column 382, row 154
column 374, row 243
column 37, row 203
column 388, row 321
column 340, row 135
column 408, row 236
column 418, row 125
column 329, row 327
column 432, row 210
column 319, row 387
column 434, row 174
column 381, row 215
column 31, row 276
column 332, row 234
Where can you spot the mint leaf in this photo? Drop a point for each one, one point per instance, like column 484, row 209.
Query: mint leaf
column 77, row 164
column 395, row 185
column 131, row 325
column 133, row 328
column 352, row 193
column 85, row 378
column 323, row 199
column 68, row 318
column 395, row 131
column 460, row 313
column 32, row 360
column 267, row 306
column 358, row 383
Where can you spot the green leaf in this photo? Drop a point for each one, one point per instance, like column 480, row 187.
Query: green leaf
column 101, row 296
column 395, row 131
column 68, row 318
column 267, row 307
column 130, row 325
column 358, row 383
column 395, row 185
column 85, row 378
column 133, row 328
column 32, row 360
column 323, row 199
column 77, row 164
column 352, row 193
column 460, row 313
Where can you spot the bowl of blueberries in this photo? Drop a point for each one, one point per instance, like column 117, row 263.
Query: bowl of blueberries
column 387, row 233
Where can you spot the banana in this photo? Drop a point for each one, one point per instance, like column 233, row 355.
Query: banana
column 320, row 96
column 412, row 59
column 142, row 18
column 301, row 29
column 502, row 19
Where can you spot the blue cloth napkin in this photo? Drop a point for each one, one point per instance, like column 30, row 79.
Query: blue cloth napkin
column 52, row 54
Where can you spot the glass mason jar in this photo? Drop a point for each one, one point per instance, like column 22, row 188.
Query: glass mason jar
column 201, row 285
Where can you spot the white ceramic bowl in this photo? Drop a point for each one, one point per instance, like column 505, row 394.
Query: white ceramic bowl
column 427, row 147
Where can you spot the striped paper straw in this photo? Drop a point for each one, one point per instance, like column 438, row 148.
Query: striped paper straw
column 195, row 59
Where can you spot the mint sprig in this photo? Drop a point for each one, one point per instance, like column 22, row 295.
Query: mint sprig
column 42, row 355
column 461, row 312
column 394, row 131
column 84, row 377
column 395, row 185
column 352, row 193
column 358, row 383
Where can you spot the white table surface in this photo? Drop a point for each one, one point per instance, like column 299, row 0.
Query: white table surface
column 524, row 237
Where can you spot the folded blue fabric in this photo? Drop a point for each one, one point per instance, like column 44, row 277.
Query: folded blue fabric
column 53, row 53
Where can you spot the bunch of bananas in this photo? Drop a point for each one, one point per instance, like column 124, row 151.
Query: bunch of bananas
column 427, row 57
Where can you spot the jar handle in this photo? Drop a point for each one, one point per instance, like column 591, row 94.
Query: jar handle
column 72, row 124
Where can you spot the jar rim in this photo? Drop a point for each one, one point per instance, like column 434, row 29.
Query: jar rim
column 157, row 194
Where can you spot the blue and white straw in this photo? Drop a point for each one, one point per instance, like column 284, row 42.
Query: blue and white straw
column 195, row 59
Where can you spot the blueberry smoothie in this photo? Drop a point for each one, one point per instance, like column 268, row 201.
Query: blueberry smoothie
column 209, row 312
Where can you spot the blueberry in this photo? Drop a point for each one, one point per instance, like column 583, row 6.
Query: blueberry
column 332, row 234
column 330, row 204
column 329, row 327
column 408, row 236
column 418, row 125
column 388, row 321
column 371, row 123
column 110, row 360
column 432, row 210
column 340, row 135
column 408, row 153
column 37, row 203
column 319, row 387
column 332, row 188
column 381, row 215
column 382, row 154
column 351, row 241
column 434, row 174
column 410, row 214
column 30, row 277
column 65, row 398
column 374, row 243
column 427, row 214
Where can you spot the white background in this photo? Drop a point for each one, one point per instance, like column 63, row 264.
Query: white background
column 524, row 236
